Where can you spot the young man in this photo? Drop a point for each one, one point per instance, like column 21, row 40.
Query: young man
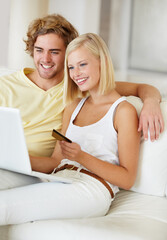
column 38, row 92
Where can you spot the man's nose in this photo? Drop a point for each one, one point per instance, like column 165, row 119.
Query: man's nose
column 46, row 57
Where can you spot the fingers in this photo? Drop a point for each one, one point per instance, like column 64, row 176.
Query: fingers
column 161, row 121
column 143, row 126
column 66, row 148
column 70, row 150
column 156, row 129
column 154, row 125
column 151, row 119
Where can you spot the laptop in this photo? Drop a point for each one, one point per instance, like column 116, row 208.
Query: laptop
column 13, row 150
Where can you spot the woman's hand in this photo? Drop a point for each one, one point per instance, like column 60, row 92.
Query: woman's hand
column 151, row 118
column 71, row 151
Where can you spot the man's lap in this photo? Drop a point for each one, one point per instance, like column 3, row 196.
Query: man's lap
column 10, row 179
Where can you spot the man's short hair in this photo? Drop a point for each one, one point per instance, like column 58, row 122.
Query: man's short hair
column 53, row 23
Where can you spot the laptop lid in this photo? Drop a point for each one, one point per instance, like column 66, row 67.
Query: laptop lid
column 13, row 150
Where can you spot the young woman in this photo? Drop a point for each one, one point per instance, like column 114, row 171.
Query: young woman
column 103, row 155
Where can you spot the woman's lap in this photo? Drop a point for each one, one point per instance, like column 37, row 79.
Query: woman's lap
column 85, row 197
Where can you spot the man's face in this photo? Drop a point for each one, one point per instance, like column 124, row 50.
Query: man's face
column 49, row 53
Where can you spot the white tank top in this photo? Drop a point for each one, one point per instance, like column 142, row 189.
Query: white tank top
column 98, row 139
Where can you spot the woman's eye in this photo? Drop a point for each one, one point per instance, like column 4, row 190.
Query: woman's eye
column 70, row 68
column 83, row 64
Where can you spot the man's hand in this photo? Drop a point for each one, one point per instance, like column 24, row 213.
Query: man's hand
column 151, row 118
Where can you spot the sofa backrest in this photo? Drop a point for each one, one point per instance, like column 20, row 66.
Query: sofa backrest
column 152, row 170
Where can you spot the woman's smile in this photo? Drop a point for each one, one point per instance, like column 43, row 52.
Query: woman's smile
column 81, row 80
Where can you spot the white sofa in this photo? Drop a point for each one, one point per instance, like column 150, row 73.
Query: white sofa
column 140, row 213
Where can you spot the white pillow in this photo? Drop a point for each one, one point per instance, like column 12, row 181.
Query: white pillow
column 152, row 169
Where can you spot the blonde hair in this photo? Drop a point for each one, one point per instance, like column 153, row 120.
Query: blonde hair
column 53, row 23
column 96, row 45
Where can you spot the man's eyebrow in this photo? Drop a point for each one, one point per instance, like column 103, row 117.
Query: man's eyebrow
column 55, row 49
column 37, row 47
column 52, row 49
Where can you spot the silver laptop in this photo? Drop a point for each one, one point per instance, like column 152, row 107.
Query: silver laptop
column 13, row 150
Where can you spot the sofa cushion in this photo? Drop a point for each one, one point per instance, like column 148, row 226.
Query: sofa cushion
column 129, row 214
column 152, row 169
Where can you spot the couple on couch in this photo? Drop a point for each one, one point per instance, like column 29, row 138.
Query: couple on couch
column 75, row 71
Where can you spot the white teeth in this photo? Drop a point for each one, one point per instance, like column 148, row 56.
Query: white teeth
column 81, row 80
column 45, row 66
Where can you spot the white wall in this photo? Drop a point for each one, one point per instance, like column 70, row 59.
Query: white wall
column 15, row 16
column 119, row 37
column 148, row 50
column 22, row 12
column 4, row 26
column 83, row 14
column 136, row 29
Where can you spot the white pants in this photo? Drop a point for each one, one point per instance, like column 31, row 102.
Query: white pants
column 85, row 197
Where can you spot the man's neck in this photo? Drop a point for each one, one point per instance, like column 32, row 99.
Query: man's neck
column 43, row 83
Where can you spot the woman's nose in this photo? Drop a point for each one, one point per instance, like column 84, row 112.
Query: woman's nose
column 76, row 72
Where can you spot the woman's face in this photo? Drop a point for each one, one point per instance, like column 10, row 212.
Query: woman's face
column 84, row 69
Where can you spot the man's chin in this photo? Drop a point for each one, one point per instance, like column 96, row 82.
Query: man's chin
column 46, row 75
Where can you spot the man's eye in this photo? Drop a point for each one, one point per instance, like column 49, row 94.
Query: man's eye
column 38, row 50
column 54, row 52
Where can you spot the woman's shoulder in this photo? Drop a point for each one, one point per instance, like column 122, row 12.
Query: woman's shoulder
column 121, row 102
column 125, row 113
column 125, row 107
